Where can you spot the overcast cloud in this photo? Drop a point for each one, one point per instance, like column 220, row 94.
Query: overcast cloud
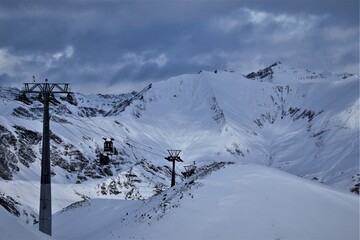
column 120, row 46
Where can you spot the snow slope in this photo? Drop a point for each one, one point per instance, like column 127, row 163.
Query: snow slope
column 11, row 228
column 238, row 202
column 298, row 121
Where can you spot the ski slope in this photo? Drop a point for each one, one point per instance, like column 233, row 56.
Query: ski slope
column 11, row 228
column 235, row 202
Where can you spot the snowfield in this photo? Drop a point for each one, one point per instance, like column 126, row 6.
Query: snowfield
column 276, row 155
column 11, row 228
column 235, row 202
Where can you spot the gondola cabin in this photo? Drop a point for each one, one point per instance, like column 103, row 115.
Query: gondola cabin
column 189, row 170
column 108, row 145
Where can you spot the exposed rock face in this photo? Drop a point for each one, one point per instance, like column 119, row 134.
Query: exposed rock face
column 263, row 73
column 11, row 205
column 17, row 147
column 27, row 139
column 8, row 160
column 20, row 145
column 120, row 107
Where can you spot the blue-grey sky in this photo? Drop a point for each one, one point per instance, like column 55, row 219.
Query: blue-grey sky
column 120, row 46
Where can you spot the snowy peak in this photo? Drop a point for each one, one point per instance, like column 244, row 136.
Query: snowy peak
column 121, row 105
column 283, row 74
column 263, row 73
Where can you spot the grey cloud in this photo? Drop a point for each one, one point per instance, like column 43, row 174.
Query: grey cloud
column 123, row 41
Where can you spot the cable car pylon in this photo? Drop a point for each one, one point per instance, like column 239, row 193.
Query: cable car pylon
column 173, row 157
column 46, row 91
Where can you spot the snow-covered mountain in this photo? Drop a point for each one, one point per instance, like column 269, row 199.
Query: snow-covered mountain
column 298, row 121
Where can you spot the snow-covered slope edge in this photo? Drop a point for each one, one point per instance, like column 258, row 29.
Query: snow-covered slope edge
column 11, row 228
column 238, row 202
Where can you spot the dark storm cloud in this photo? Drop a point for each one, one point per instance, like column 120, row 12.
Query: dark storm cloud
column 108, row 43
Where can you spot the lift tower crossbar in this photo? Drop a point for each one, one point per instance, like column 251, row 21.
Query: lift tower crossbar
column 45, row 89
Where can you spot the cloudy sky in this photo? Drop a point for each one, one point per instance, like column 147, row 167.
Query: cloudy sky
column 119, row 46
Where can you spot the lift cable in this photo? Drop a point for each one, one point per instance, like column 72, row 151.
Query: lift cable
column 21, row 103
column 148, row 151
column 72, row 131
column 123, row 143
column 125, row 138
column 88, row 125
column 91, row 129
column 104, row 130
column 112, row 133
